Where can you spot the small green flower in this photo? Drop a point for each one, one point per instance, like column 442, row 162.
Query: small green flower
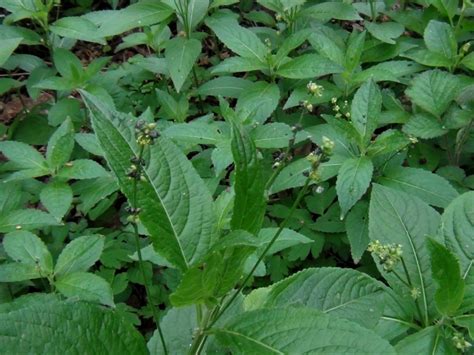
column 460, row 342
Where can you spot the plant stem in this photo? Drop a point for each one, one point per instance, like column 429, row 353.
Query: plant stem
column 265, row 251
column 407, row 274
column 134, row 204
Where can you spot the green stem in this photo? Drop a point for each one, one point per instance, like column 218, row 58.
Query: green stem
column 373, row 14
column 407, row 274
column 460, row 19
column 134, row 204
column 264, row 253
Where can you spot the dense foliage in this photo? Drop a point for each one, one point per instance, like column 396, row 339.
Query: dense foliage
column 270, row 176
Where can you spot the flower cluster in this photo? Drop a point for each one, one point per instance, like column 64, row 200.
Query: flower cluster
column 317, row 156
column 340, row 111
column 135, row 170
column 146, row 133
column 315, row 89
column 459, row 342
column 389, row 255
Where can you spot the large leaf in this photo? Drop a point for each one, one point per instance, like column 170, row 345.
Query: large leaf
column 85, row 286
column 77, row 28
column 258, row 102
column 427, row 341
column 250, row 202
column 176, row 207
column 32, row 325
column 27, row 218
column 399, row 218
column 297, row 331
column 60, row 145
column 353, row 181
column 239, row 39
column 447, row 274
column 57, row 198
column 440, row 38
column 308, row 66
column 365, row 109
column 79, row 255
column 345, row 293
column 180, row 54
column 357, row 229
column 431, row 188
column 433, row 91
column 457, row 228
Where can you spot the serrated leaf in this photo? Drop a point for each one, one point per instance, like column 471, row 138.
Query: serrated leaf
column 195, row 132
column 305, row 331
column 357, row 229
column 28, row 219
column 431, row 188
column 82, row 169
column 180, row 232
column 85, row 286
column 272, row 135
column 440, row 38
column 433, row 91
column 308, row 66
column 226, row 86
column 8, row 46
column 239, row 39
column 344, row 293
column 424, row 125
column 79, row 255
column 16, row 272
column 386, row 31
column 286, row 239
column 353, row 180
column 23, row 155
column 181, row 54
column 76, row 28
column 238, row 65
column 26, row 248
column 258, row 102
column 398, row 218
column 57, row 198
column 447, row 274
column 60, row 145
column 332, row 10
column 365, row 109
column 250, row 202
column 430, row 339
column 32, row 327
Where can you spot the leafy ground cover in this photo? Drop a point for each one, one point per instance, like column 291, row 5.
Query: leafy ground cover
column 270, row 176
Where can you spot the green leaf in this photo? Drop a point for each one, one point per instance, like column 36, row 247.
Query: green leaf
column 238, row 64
column 429, row 340
column 28, row 219
column 327, row 43
column 67, row 64
column 85, row 286
column 286, row 239
column 447, row 274
column 60, row 145
column 431, row 188
column 16, row 272
column 353, row 180
column 8, row 46
column 355, row 47
column 272, row 135
column 57, row 198
column 178, row 327
column 140, row 14
column 398, row 218
column 468, row 61
column 424, row 125
column 250, row 202
column 297, row 331
column 308, row 66
column 196, row 10
column 425, row 57
column 440, row 38
column 388, row 142
column 77, row 28
column 82, row 169
column 386, row 31
column 446, row 7
column 32, row 326
column 457, row 228
column 357, row 228
column 23, row 155
column 332, row 10
column 225, row 86
column 258, row 102
column 26, row 248
column 433, row 91
column 365, row 109
column 88, row 142
column 344, row 293
column 177, row 207
column 180, row 55
column 238, row 39
column 195, row 132
column 79, row 255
